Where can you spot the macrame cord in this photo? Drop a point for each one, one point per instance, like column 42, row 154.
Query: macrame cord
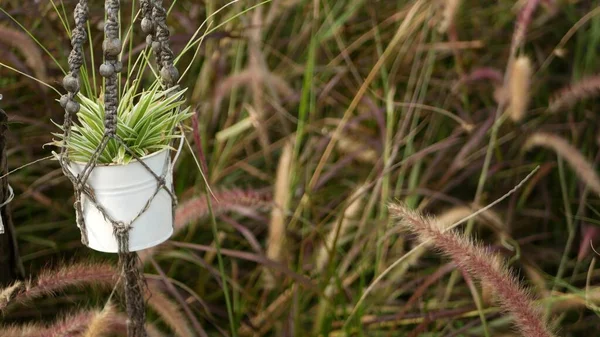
column 154, row 25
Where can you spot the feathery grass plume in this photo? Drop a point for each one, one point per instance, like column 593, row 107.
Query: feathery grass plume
column 8, row 293
column 445, row 220
column 589, row 234
column 31, row 52
column 281, row 197
column 99, row 324
column 583, row 169
column 449, row 9
column 197, row 208
column 361, row 152
column 70, row 325
column 482, row 264
column 340, row 228
column 79, row 324
column 519, row 83
column 168, row 311
column 225, row 200
column 119, row 326
column 480, row 74
column 246, row 78
column 49, row 282
column 568, row 96
column 523, row 21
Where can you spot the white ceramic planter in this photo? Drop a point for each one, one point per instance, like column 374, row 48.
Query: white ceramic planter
column 123, row 191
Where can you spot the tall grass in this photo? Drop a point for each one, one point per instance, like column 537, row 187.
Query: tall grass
column 310, row 117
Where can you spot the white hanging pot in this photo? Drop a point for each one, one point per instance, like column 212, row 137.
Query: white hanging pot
column 123, row 191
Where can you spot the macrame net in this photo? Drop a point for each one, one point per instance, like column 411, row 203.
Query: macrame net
column 154, row 25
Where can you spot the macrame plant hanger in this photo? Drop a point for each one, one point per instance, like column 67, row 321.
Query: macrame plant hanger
column 154, row 25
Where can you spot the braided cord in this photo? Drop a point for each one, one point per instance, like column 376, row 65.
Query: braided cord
column 71, row 83
column 111, row 66
column 154, row 23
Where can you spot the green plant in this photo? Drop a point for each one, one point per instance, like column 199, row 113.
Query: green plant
column 146, row 124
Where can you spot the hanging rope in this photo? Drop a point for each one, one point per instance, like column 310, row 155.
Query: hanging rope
column 154, row 24
column 71, row 83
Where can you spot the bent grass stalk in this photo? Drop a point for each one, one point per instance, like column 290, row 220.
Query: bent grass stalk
column 277, row 226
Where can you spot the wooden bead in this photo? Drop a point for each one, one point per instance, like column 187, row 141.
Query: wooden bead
column 64, row 99
column 72, row 107
column 106, row 69
column 156, row 46
column 118, row 66
column 70, row 83
column 147, row 26
column 112, row 47
column 169, row 74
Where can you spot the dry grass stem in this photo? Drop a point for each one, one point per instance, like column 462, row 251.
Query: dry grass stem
column 449, row 9
column 281, row 196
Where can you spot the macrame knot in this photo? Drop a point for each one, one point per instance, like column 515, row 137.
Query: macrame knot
column 80, row 13
column 110, row 124
column 121, row 229
column 78, row 37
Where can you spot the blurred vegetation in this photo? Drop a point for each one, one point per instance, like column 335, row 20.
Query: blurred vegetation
column 375, row 104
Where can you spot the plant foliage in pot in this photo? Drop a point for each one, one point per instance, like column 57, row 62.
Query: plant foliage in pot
column 147, row 124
